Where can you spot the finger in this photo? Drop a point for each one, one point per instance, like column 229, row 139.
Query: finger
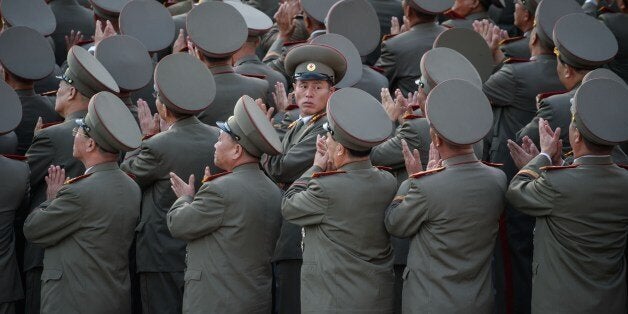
column 269, row 113
column 191, row 181
column 207, row 171
column 416, row 154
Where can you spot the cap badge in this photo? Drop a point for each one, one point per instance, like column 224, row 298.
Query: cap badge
column 311, row 67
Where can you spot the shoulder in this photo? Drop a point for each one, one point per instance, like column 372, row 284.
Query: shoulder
column 546, row 95
column 426, row 173
column 511, row 40
column 77, row 180
column 556, row 168
column 16, row 163
column 317, row 175
column 513, row 60
column 216, row 177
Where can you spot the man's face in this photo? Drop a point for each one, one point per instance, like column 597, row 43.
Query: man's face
column 520, row 14
column 312, row 96
column 332, row 150
column 225, row 148
column 464, row 7
column 62, row 96
column 81, row 143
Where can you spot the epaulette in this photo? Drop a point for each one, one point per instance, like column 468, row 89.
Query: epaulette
column 258, row 76
column 568, row 154
column 605, row 9
column 427, row 172
column 49, row 93
column 326, row 173
column 384, row 168
column 147, row 136
column 15, row 157
column 292, row 107
column 293, row 124
column 452, row 15
column 84, row 42
column 388, row 36
column 542, row 96
column 411, row 116
column 492, row 164
column 316, row 118
column 294, row 42
column 49, row 124
column 510, row 40
column 214, row 176
column 76, row 179
column 552, row 168
column 377, row 69
column 515, row 60
column 132, row 176
column 623, row 166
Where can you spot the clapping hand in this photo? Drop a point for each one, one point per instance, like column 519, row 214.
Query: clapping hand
column 54, row 181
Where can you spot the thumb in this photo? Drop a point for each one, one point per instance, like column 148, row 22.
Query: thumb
column 416, row 154
column 191, row 181
column 207, row 171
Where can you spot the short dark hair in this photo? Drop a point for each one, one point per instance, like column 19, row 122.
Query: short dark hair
column 358, row 153
column 596, row 148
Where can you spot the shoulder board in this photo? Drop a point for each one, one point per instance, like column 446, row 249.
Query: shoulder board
column 384, row 168
column 147, row 136
column 377, row 69
column 326, row 173
column 411, row 116
column 292, row 107
column 568, row 154
column 316, row 118
column 427, row 172
column 492, row 164
column 515, row 60
column 49, row 124
column 388, row 36
column 605, row 9
column 510, row 40
column 295, row 42
column 15, row 157
column 214, row 176
column 551, row 168
column 542, row 96
column 258, row 76
column 49, row 93
column 76, row 179
column 452, row 15
column 623, row 166
column 132, row 176
column 84, row 42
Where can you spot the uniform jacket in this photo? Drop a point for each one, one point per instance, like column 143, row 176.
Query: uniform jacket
column 33, row 107
column 13, row 203
column 299, row 147
column 347, row 257
column 185, row 149
column 467, row 22
column 372, row 82
column 402, row 53
column 452, row 238
column 617, row 22
column 230, row 86
column 517, row 48
column 580, row 235
column 556, row 109
column 231, row 240
column 251, row 65
column 87, row 232
column 70, row 16
column 51, row 146
column 512, row 92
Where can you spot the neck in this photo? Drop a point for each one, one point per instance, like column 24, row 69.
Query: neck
column 98, row 158
column 446, row 152
column 242, row 161
column 247, row 50
column 73, row 107
column 571, row 83
column 348, row 160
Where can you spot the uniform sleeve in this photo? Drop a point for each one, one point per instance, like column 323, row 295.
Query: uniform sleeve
column 289, row 166
column 500, row 87
column 54, row 220
column 531, row 192
column 389, row 153
column 200, row 217
column 388, row 62
column 305, row 202
column 40, row 156
column 408, row 211
column 146, row 165
column 532, row 129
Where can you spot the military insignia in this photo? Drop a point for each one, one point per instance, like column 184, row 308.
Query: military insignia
column 427, row 172
column 76, row 179
column 623, row 166
column 552, row 168
column 212, row 177
column 311, row 67
column 316, row 118
column 492, row 164
column 384, row 168
column 326, row 173
column 15, row 157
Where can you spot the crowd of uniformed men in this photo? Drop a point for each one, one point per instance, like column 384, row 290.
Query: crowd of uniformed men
column 282, row 156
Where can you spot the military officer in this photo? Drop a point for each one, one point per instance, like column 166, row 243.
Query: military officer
column 570, row 228
column 84, row 77
column 26, row 57
column 88, row 267
column 518, row 47
column 106, row 10
column 14, row 198
column 231, row 238
column 443, row 228
column 386, row 10
column 184, row 87
column 595, row 47
column 316, row 68
column 347, row 257
column 245, row 60
column 617, row 22
column 127, row 59
column 364, row 33
column 401, row 52
column 463, row 13
column 215, row 46
column 70, row 16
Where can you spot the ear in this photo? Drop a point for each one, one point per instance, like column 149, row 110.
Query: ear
column 332, row 89
column 91, row 145
column 476, row 3
column 340, row 150
column 577, row 137
column 238, row 151
column 73, row 93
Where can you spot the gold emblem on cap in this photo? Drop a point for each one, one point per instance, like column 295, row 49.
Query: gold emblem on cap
column 311, row 67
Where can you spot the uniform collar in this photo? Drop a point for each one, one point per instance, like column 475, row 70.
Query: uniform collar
column 76, row 115
column 25, row 92
column 247, row 167
column 248, row 59
column 477, row 16
column 184, row 122
column 423, row 26
column 460, row 159
column 102, row 167
column 221, row 69
column 593, row 160
column 357, row 165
